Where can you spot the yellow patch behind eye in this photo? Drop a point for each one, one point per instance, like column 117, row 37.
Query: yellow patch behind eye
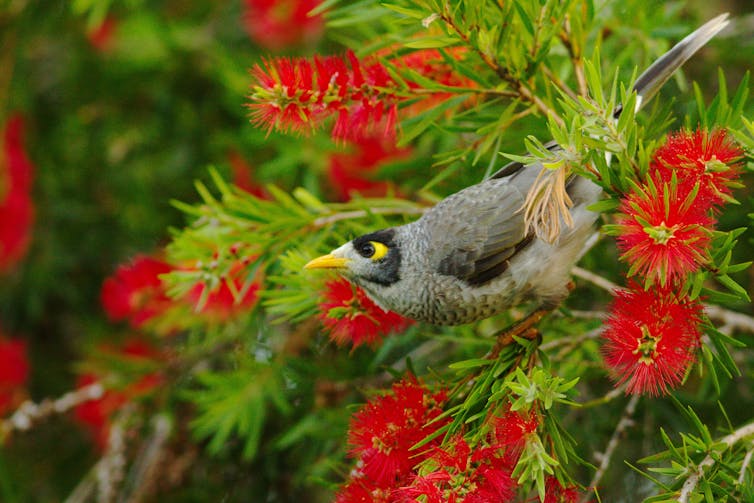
column 380, row 250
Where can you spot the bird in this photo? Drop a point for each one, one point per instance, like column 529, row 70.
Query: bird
column 472, row 256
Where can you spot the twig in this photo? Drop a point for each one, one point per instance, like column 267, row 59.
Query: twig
column 626, row 420
column 571, row 340
column 29, row 412
column 110, row 468
column 595, row 279
column 576, row 60
column 744, row 466
column 559, row 82
column 728, row 441
column 523, row 91
column 350, row 215
column 608, row 397
column 144, row 472
column 732, row 319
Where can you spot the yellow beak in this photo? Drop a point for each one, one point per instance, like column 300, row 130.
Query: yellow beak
column 328, row 261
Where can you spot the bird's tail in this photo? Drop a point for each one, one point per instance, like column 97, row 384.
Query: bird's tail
column 654, row 77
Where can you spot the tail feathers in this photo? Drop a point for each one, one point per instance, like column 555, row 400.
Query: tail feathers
column 654, row 77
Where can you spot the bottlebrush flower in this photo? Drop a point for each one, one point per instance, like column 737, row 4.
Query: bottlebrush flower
column 710, row 159
column 95, row 415
column 102, row 36
column 556, row 493
column 136, row 292
column 663, row 232
column 361, row 490
column 243, row 176
column 278, row 24
column 14, row 371
column 351, row 172
column 229, row 297
column 16, row 208
column 651, row 338
column 462, row 475
column 511, row 430
column 350, row 315
column 383, row 432
column 293, row 95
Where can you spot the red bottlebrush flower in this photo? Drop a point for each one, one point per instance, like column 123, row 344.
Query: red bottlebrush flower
column 16, row 209
column 360, row 490
column 230, row 297
column 102, row 36
column 278, row 24
column 293, row 95
column 710, row 159
column 511, row 430
column 349, row 172
column 352, row 316
column 650, row 338
column 14, row 372
column 556, row 493
column 136, row 292
column 461, row 475
column 243, row 176
column 96, row 415
column 663, row 233
column 383, row 432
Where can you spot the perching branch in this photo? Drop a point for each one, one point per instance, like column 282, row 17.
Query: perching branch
column 605, row 457
column 728, row 441
column 29, row 413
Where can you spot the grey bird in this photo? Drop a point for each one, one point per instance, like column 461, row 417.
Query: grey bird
column 471, row 256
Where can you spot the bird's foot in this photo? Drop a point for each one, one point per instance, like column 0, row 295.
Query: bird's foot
column 523, row 329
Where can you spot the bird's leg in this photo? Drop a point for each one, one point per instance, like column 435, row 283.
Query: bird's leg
column 526, row 328
column 523, row 329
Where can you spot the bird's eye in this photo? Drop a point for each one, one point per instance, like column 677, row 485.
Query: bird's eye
column 373, row 250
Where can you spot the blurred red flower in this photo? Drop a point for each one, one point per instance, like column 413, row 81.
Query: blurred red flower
column 352, row 171
column 710, row 159
column 664, row 233
column 651, row 338
column 96, row 415
column 135, row 292
column 232, row 295
column 102, row 36
column 279, row 24
column 16, row 208
column 351, row 316
column 384, row 431
column 243, row 175
column 14, row 372
column 556, row 493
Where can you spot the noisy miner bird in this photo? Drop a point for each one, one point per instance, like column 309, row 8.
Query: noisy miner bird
column 471, row 256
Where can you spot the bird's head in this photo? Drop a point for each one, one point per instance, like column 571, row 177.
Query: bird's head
column 369, row 260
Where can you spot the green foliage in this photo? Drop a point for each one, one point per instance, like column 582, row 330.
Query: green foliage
column 261, row 401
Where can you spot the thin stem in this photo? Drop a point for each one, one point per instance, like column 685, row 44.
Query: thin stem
column 732, row 319
column 609, row 397
column 625, row 422
column 576, row 60
column 522, row 90
column 350, row 215
column 29, row 413
column 728, row 441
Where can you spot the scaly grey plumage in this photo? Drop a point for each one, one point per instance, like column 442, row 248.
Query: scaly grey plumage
column 470, row 257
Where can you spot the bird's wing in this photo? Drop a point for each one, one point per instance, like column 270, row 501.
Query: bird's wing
column 486, row 232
